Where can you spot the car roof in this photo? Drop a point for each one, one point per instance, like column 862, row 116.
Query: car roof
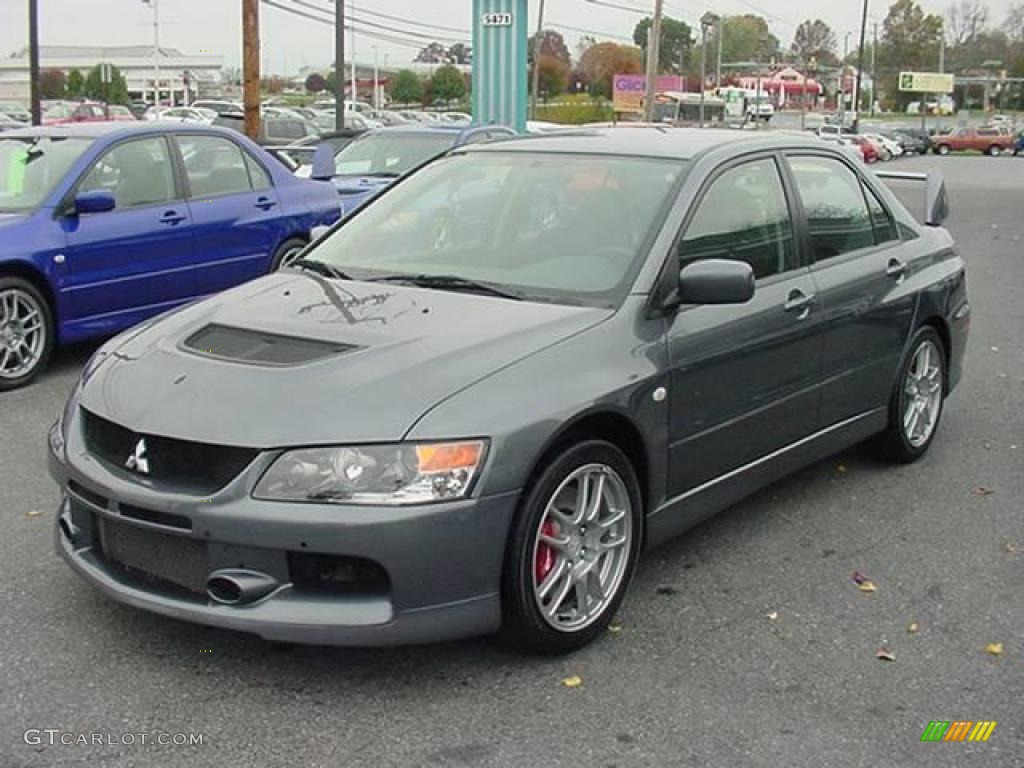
column 674, row 143
column 421, row 128
column 109, row 129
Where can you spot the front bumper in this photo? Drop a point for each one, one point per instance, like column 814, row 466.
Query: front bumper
column 443, row 561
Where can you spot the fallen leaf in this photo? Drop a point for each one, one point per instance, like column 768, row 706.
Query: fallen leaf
column 614, row 628
column 573, row 681
column 33, row 513
column 981, row 490
column 1010, row 548
column 996, row 649
column 885, row 654
column 841, row 467
column 867, row 586
column 994, row 349
column 987, row 444
column 859, row 577
column 772, row 615
column 666, row 591
column 912, row 627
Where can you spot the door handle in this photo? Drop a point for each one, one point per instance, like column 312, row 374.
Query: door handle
column 799, row 302
column 265, row 203
column 896, row 269
column 171, row 217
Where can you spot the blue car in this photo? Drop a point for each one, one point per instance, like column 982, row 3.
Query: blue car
column 104, row 225
column 366, row 166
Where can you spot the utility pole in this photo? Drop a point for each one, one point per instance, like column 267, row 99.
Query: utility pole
column 339, row 64
column 536, row 62
column 652, row 62
column 860, row 65
column 874, row 67
column 352, row 53
column 707, row 22
column 251, row 66
column 718, row 64
column 33, row 60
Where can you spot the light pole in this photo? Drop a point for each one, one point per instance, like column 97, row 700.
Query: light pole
column 653, row 52
column 376, row 79
column 339, row 65
column 707, row 21
column 536, row 62
column 155, row 5
column 860, row 65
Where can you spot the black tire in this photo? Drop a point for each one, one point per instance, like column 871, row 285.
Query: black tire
column 894, row 444
column 523, row 626
column 993, row 151
column 285, row 252
column 942, row 149
column 30, row 295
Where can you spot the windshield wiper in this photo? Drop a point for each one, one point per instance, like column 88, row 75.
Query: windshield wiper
column 320, row 267
column 449, row 283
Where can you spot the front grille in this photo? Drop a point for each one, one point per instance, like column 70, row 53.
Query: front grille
column 156, row 559
column 202, row 467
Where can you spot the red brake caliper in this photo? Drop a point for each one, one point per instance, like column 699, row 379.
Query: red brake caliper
column 545, row 555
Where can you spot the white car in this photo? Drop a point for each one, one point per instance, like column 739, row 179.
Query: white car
column 892, row 147
column 845, row 144
column 182, row 115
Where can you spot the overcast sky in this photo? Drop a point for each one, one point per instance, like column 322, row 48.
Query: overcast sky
column 290, row 42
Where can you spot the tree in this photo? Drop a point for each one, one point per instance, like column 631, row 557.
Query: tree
column 460, row 53
column 448, row 84
column 435, row 53
column 52, row 84
column 675, row 48
column 815, row 39
column 406, row 87
column 75, row 84
column 910, row 40
column 551, row 44
column 602, row 61
column 316, row 82
column 113, row 92
column 747, row 38
column 553, row 77
column 966, row 20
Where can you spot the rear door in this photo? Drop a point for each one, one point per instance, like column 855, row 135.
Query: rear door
column 859, row 264
column 745, row 378
column 137, row 259
column 235, row 210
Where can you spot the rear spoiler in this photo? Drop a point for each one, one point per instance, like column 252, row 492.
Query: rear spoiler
column 936, row 206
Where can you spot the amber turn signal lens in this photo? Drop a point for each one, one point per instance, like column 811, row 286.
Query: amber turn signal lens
column 445, row 457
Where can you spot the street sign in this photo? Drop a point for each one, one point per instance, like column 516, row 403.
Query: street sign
column 926, row 82
column 497, row 19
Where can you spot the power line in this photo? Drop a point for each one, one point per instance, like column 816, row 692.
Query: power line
column 591, row 32
column 330, row 22
column 392, row 29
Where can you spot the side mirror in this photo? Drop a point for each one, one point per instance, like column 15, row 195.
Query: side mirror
column 936, row 200
column 715, row 281
column 318, row 232
column 323, row 163
column 95, row 201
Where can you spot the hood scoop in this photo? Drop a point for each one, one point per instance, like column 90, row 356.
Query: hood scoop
column 241, row 345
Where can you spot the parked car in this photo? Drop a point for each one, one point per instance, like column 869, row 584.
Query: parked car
column 182, row 114
column 9, row 123
column 298, row 156
column 16, row 111
column 456, row 118
column 87, row 112
column 422, row 440
column 221, row 107
column 887, row 148
column 1018, row 144
column 104, row 225
column 991, row 141
column 867, row 149
column 372, row 162
column 851, row 149
column 913, row 142
column 387, row 118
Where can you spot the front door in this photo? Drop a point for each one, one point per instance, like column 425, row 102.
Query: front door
column 136, row 260
column 235, row 209
column 745, row 378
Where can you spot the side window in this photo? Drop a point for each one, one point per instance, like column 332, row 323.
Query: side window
column 743, row 216
column 885, row 228
column 837, row 216
column 259, row 177
column 136, row 172
column 214, row 166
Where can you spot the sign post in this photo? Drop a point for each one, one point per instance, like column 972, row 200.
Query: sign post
column 499, row 63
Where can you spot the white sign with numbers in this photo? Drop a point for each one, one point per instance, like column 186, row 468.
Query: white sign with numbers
column 497, row 19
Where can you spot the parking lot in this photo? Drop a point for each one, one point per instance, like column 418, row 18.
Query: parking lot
column 745, row 642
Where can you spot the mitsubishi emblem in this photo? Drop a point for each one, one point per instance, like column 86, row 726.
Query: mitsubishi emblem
column 137, row 461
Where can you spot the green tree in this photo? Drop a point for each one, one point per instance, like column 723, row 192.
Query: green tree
column 113, row 92
column 75, row 85
column 448, row 84
column 553, row 77
column 815, row 39
column 910, row 40
column 675, row 49
column 746, row 38
column 406, row 87
column 52, row 84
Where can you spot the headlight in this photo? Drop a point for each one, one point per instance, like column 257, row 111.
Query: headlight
column 405, row 473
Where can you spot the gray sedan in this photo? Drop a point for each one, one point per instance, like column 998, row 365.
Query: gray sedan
column 471, row 406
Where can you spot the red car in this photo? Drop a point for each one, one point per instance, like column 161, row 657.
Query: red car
column 86, row 112
column 867, row 149
column 989, row 139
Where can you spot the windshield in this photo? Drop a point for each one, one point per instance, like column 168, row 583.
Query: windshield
column 31, row 167
column 554, row 227
column 391, row 154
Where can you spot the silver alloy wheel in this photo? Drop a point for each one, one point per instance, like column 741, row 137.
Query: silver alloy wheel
column 581, row 548
column 922, row 394
column 290, row 256
column 22, row 333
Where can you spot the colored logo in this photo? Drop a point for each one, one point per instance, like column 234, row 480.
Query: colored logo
column 958, row 730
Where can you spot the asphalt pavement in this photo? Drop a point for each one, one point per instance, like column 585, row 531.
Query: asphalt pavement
column 744, row 643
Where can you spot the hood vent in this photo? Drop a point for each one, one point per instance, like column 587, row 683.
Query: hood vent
column 256, row 347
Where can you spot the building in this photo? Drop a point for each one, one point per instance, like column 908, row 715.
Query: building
column 183, row 77
column 786, row 87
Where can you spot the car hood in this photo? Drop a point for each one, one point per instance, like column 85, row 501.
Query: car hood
column 397, row 351
column 10, row 220
column 356, row 190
